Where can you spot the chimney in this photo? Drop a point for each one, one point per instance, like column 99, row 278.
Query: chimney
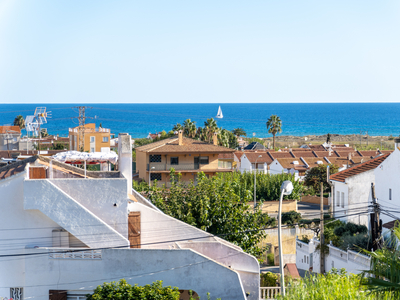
column 215, row 139
column 396, row 144
column 180, row 137
column 125, row 159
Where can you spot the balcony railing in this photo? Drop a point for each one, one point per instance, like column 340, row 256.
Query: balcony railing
column 75, row 254
column 180, row 167
column 269, row 292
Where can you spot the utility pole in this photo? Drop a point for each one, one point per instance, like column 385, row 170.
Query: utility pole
column 376, row 222
column 322, row 239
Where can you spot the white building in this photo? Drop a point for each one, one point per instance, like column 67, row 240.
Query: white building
column 255, row 161
column 352, row 191
column 62, row 235
column 9, row 137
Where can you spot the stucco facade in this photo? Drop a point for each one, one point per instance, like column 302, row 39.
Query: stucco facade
column 95, row 139
column 72, row 234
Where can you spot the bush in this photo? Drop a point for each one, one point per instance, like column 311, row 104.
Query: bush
column 268, row 279
column 291, row 217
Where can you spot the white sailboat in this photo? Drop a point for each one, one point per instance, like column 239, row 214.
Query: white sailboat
column 219, row 114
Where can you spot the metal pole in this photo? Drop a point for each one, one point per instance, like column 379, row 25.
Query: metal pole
column 85, row 168
column 255, row 200
column 280, row 245
column 322, row 241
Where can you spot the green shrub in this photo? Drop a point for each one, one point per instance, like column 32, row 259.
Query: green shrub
column 291, row 217
column 268, row 279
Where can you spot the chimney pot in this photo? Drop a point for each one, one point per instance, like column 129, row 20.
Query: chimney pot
column 180, row 137
column 215, row 139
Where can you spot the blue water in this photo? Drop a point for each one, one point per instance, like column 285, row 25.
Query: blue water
column 297, row 119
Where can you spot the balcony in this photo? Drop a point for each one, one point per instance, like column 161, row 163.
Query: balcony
column 157, row 167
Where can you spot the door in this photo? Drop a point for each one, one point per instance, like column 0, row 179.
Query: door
column 196, row 163
column 57, row 295
column 37, row 173
column 134, row 229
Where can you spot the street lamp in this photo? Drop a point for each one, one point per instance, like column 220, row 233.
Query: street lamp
column 255, row 171
column 286, row 189
column 150, row 168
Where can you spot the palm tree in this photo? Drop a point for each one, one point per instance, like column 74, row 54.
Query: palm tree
column 190, row 128
column 177, row 127
column 19, row 121
column 274, row 125
column 385, row 268
column 210, row 127
column 239, row 132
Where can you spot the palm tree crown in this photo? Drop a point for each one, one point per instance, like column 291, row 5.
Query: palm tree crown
column 274, row 126
column 239, row 132
column 19, row 121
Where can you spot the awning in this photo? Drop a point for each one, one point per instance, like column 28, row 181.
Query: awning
column 79, row 157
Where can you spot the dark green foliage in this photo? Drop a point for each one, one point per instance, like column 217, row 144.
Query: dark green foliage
column 305, row 239
column 60, row 146
column 318, row 174
column 268, row 279
column 124, row 291
column 239, row 132
column 291, row 217
column 216, row 205
column 270, row 259
column 356, row 242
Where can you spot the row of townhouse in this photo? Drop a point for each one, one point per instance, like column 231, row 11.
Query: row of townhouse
column 353, row 190
column 66, row 231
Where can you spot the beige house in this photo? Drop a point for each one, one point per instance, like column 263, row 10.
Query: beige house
column 95, row 139
column 187, row 156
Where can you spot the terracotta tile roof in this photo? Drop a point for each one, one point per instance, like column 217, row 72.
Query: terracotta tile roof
column 317, row 147
column 15, row 168
column 170, row 145
column 339, row 161
column 287, row 163
column 238, row 154
column 346, row 153
column 314, row 161
column 303, row 153
column 253, row 156
column 291, row 270
column 5, row 129
column 225, row 156
column 282, row 154
column 390, row 225
column 325, row 154
column 363, row 167
column 386, row 151
column 295, row 149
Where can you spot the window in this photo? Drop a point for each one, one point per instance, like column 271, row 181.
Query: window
column 105, row 139
column 91, row 150
column 390, row 194
column 16, row 293
column 337, row 198
column 92, row 139
column 155, row 176
column 203, row 160
column 155, row 158
column 174, row 160
column 342, row 199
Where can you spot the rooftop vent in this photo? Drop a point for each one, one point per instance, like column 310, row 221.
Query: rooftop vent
column 295, row 162
column 320, row 162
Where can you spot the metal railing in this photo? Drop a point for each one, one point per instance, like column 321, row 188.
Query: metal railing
column 180, row 167
column 269, row 292
column 74, row 254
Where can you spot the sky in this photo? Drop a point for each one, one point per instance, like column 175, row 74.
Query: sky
column 70, row 51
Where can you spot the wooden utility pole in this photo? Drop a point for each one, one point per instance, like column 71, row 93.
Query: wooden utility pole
column 322, row 239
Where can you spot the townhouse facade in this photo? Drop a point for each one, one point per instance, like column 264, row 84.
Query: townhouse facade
column 94, row 139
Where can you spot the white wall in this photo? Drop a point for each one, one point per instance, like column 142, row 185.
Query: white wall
column 276, row 168
column 387, row 177
column 341, row 210
column 185, row 269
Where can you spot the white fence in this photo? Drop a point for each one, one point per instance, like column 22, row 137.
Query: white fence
column 308, row 258
column 269, row 292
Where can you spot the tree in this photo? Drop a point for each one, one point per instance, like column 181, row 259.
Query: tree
column 19, row 121
column 210, row 127
column 189, row 128
column 328, row 138
column 177, row 127
column 316, row 175
column 43, row 132
column 239, row 132
column 384, row 273
column 274, row 126
column 215, row 205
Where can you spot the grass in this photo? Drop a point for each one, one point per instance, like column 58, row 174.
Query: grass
column 332, row 286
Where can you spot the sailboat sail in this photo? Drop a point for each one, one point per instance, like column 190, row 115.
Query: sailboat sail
column 219, row 114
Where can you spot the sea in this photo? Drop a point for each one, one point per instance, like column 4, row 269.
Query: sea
column 298, row 119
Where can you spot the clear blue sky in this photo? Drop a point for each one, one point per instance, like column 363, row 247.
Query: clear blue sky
column 199, row 51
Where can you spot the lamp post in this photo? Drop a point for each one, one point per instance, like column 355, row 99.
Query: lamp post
column 286, row 189
column 150, row 168
column 255, row 173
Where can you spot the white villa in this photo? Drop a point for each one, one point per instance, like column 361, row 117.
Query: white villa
column 65, row 231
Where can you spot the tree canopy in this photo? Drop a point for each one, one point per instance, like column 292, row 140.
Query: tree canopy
column 317, row 175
